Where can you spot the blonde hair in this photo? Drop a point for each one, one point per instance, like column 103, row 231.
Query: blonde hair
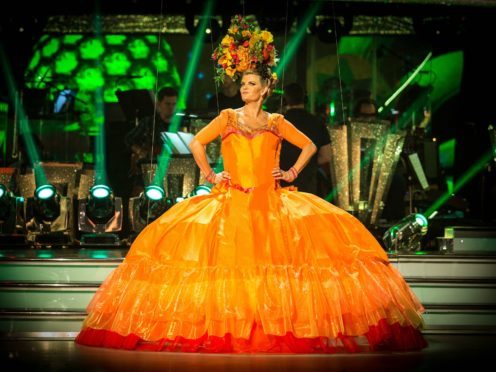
column 266, row 77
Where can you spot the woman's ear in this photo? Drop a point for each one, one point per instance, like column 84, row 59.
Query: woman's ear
column 265, row 91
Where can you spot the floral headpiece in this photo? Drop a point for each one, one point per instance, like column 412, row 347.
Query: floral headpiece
column 245, row 47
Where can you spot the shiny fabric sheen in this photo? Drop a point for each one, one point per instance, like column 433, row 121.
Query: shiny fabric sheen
column 252, row 262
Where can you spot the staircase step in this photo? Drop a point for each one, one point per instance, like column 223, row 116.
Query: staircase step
column 67, row 271
column 451, row 291
column 47, row 297
column 38, row 324
column 455, row 266
column 460, row 318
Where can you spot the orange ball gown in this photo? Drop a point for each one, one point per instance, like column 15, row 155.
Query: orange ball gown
column 253, row 267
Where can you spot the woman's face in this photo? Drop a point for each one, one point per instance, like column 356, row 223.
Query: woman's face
column 252, row 88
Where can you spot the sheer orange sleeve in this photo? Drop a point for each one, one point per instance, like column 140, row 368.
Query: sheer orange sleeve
column 291, row 134
column 213, row 129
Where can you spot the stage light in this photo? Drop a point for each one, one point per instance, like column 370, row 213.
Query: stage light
column 100, row 191
column 45, row 192
column 405, row 236
column 154, row 192
column 330, row 29
column 3, row 191
column 10, row 216
column 47, row 217
column 151, row 209
column 46, row 203
column 100, row 217
column 5, row 203
column 212, row 30
column 147, row 207
column 200, row 190
column 100, row 207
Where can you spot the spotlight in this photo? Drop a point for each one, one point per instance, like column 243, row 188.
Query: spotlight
column 153, row 192
column 200, row 190
column 5, row 203
column 153, row 203
column 46, row 203
column 100, row 217
column 147, row 207
column 47, row 213
column 405, row 236
column 212, row 31
column 330, row 30
column 10, row 217
column 100, row 207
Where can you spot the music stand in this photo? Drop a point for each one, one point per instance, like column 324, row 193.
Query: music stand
column 136, row 104
column 415, row 175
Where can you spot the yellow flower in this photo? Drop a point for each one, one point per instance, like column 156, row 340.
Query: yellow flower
column 246, row 33
column 227, row 40
column 266, row 36
column 225, row 59
column 230, row 71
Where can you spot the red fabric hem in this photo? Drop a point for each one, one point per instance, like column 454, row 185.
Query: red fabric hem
column 380, row 337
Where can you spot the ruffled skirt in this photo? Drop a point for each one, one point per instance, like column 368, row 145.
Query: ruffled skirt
column 255, row 271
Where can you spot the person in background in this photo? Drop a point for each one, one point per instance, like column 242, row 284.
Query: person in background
column 227, row 96
column 314, row 128
column 145, row 141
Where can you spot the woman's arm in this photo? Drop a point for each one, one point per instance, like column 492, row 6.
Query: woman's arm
column 204, row 137
column 297, row 138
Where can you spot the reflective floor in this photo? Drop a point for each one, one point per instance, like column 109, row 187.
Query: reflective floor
column 444, row 352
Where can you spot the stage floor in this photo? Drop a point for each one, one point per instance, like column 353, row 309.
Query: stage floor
column 443, row 353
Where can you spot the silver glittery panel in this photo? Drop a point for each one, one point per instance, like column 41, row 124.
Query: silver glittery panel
column 7, row 177
column 384, row 25
column 62, row 175
column 86, row 181
column 26, row 185
column 364, row 156
column 339, row 166
column 394, row 147
column 180, row 169
column 360, row 133
column 392, row 152
column 132, row 23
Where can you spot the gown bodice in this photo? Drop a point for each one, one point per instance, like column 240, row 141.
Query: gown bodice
column 250, row 155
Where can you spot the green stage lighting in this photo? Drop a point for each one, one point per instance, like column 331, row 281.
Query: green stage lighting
column 154, row 192
column 100, row 207
column 200, row 190
column 100, row 191
column 11, row 217
column 5, row 203
column 405, row 236
column 151, row 209
column 46, row 203
column 45, row 192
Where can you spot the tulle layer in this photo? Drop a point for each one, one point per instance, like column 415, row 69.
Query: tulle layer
column 250, row 272
column 380, row 337
column 155, row 302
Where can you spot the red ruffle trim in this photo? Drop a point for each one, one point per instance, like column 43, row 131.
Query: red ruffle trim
column 380, row 337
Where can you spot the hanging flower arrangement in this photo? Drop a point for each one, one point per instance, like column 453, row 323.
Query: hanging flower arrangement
column 243, row 48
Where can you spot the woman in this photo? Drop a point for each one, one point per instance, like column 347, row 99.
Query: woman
column 253, row 267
